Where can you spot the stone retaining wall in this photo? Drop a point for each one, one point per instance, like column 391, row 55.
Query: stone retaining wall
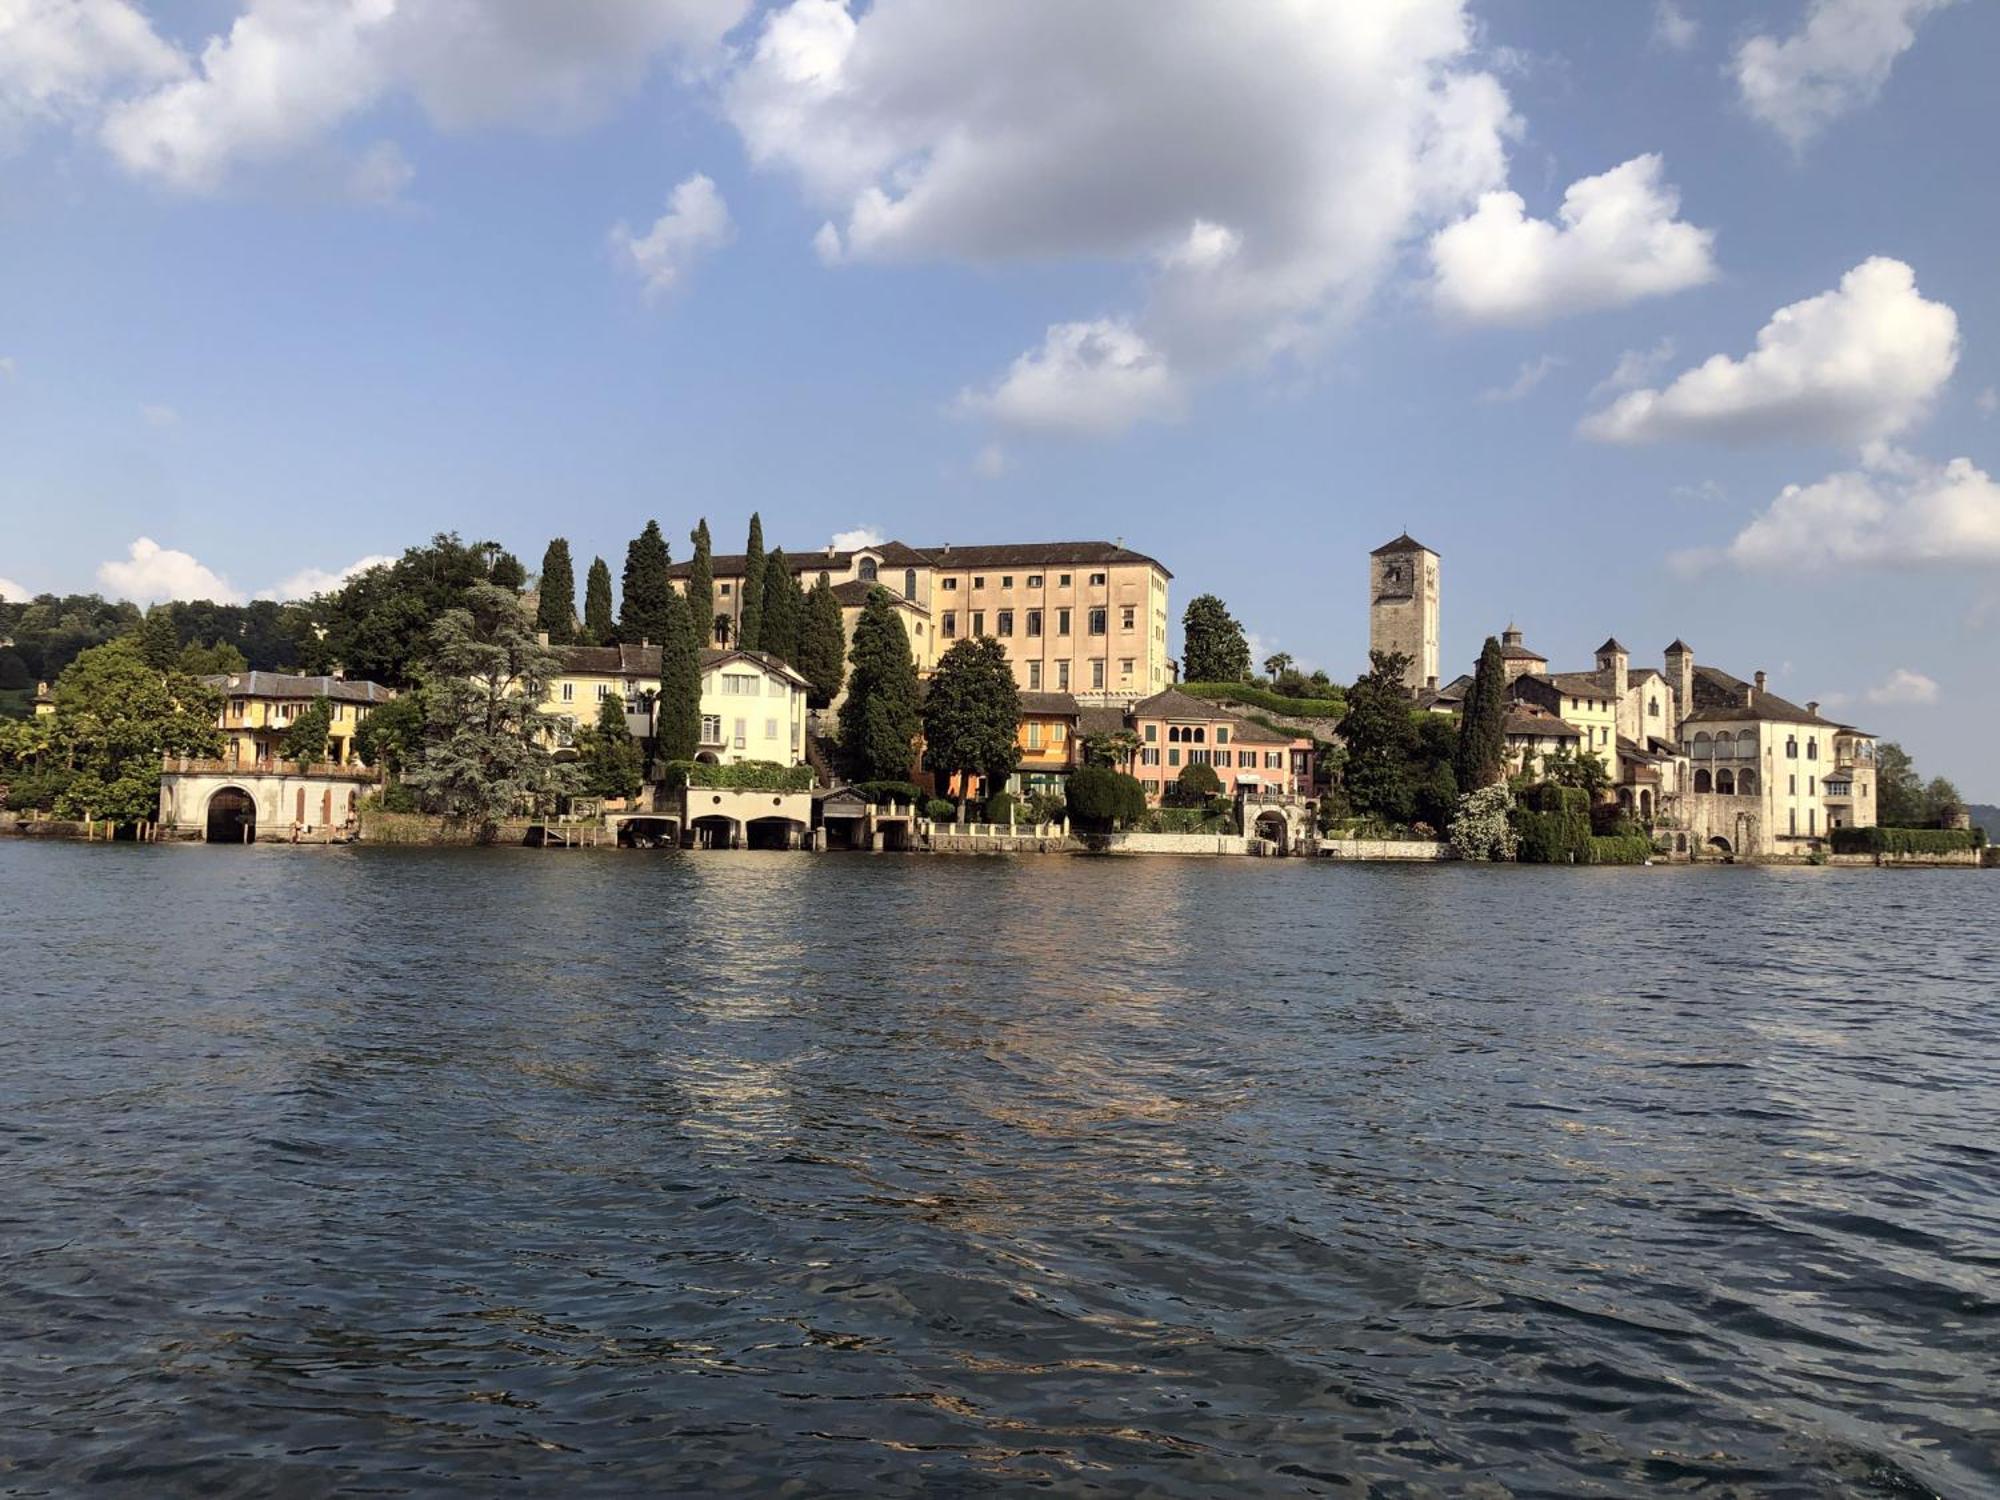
column 1178, row 843
column 1405, row 849
column 379, row 827
column 1963, row 858
column 999, row 843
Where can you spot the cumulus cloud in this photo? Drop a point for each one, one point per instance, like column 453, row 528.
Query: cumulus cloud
column 289, row 74
column 1087, row 379
column 1851, row 365
column 858, row 537
column 12, row 592
column 1836, row 61
column 1532, row 373
column 309, row 581
column 59, row 59
column 1635, row 367
column 1326, row 137
column 1904, row 686
column 150, row 573
column 1896, row 512
column 1674, row 27
column 695, row 223
column 1615, row 242
column 1988, row 401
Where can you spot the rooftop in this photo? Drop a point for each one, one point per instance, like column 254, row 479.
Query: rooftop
column 286, row 685
column 1403, row 543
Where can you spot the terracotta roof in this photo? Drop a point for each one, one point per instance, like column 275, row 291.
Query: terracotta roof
column 610, row 661
column 1035, row 554
column 1253, row 733
column 731, row 564
column 1403, row 543
column 1720, row 698
column 1611, row 644
column 1538, row 723
column 1175, row 704
column 1049, row 704
column 1582, row 684
column 286, row 685
column 854, row 593
column 1101, row 719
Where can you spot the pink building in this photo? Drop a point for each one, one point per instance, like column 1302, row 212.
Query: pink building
column 1177, row 730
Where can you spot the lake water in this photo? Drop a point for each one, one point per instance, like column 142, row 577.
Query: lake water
column 585, row 1173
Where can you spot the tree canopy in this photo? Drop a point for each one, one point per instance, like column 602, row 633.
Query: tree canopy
column 822, row 646
column 1101, row 799
column 784, row 609
column 642, row 605
column 598, row 625
column 1481, row 757
column 1213, row 647
column 555, row 607
column 677, row 728
column 116, row 716
column 701, row 584
column 750, row 623
column 608, row 757
column 378, row 624
column 306, row 741
column 1380, row 772
column 880, row 719
column 972, row 715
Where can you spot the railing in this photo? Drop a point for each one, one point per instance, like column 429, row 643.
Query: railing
column 191, row 765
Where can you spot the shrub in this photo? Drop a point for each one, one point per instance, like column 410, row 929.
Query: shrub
column 1101, row 799
column 1621, row 849
column 1555, row 828
column 1195, row 785
column 33, row 791
column 743, row 775
column 1185, row 820
column 941, row 810
column 1482, row 830
column 1001, row 807
column 1047, row 807
column 1264, row 698
column 1904, row 840
column 888, row 791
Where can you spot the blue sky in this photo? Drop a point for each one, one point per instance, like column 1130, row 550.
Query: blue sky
column 289, row 284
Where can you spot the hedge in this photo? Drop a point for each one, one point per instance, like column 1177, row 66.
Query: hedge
column 887, row 791
column 743, row 775
column 1264, row 698
column 1905, row 840
column 1621, row 849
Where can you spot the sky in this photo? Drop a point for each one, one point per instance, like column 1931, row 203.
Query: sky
column 1655, row 320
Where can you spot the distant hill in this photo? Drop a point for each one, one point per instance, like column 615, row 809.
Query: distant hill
column 1986, row 815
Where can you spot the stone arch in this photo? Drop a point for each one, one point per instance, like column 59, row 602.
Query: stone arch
column 1703, row 782
column 1725, row 783
column 1721, row 845
column 707, row 758
column 230, row 817
column 1746, row 782
column 1746, row 744
column 1704, row 746
column 1273, row 825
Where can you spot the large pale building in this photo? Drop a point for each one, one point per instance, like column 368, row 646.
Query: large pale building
column 1403, row 607
column 1085, row 618
column 753, row 706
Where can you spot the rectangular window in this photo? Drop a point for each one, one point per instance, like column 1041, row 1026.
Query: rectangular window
column 1128, row 618
column 1125, row 669
column 948, row 583
column 1006, row 580
column 1034, row 677
column 1034, row 622
column 1795, row 786
column 770, row 729
column 1034, row 580
column 978, row 582
column 979, row 622
column 1812, row 820
column 1062, row 622
column 1006, row 621
column 1097, row 675
column 950, row 623
column 1222, row 734
column 1809, row 786
column 1274, row 760
column 1062, row 580
column 603, row 691
column 1152, row 733
column 1097, row 620
column 1034, row 734
column 742, row 736
column 569, row 692
column 1150, row 756
column 1097, row 580
column 725, row 591
column 1247, row 759
column 1062, row 676
column 1795, row 820
column 1173, row 755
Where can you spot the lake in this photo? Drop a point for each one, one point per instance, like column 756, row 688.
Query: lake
column 581, row 1173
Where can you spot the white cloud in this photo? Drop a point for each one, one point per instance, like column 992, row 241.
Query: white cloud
column 860, row 536
column 1674, row 27
column 60, row 58
column 1091, row 379
column 1850, row 365
column 1836, row 61
column 7, row 370
column 379, row 174
column 991, row 462
column 695, row 223
column 1904, row 686
column 289, row 74
column 309, row 581
column 1259, row 168
column 1988, row 401
column 1635, row 367
column 1532, row 373
column 1898, row 513
column 12, row 592
column 1617, row 242
column 150, row 573
column 156, row 414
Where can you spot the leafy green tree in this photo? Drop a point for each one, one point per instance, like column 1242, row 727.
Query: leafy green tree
column 1195, row 785
column 1277, row 664
column 1584, row 771
column 485, row 756
column 504, row 570
column 378, row 624
column 159, row 641
column 880, row 719
column 1942, row 802
column 1213, row 645
column 972, row 715
column 784, row 609
column 218, row 660
column 642, row 606
column 1481, row 758
column 555, row 611
column 1380, row 774
column 609, row 757
column 1101, row 799
column 49, row 632
column 1899, row 794
column 598, row 629
column 1113, row 750
column 823, row 646
column 750, row 626
column 116, row 716
column 392, row 736
column 701, row 583
column 1483, row 828
column 677, row 729
column 305, row 741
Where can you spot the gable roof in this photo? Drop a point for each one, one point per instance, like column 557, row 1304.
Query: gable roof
column 1100, row 719
column 1535, row 722
column 289, row 685
column 1049, row 705
column 853, row 594
column 1720, row 698
column 1403, row 543
column 610, row 661
column 1175, row 704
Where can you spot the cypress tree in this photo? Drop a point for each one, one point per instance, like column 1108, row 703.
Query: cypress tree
column 556, row 612
column 750, row 624
column 784, row 608
column 678, row 729
column 597, row 626
column 701, row 585
column 1481, row 758
column 642, row 606
column 822, row 646
column 881, row 718
column 159, row 637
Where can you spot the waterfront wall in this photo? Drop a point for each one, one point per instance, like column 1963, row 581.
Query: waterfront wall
column 1177, row 843
column 1962, row 858
column 379, row 827
column 1403, row 849
column 941, row 840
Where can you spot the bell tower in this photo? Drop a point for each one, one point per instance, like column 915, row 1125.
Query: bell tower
column 1403, row 606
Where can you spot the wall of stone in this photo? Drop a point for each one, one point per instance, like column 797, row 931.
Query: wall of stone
column 1963, row 858
column 1177, row 843
column 378, row 827
column 1400, row 849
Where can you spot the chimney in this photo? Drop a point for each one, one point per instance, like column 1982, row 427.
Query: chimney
column 1760, row 679
column 1813, row 708
column 1749, row 696
column 644, row 643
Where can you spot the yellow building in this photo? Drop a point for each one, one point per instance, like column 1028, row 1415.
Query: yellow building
column 260, row 708
column 753, row 706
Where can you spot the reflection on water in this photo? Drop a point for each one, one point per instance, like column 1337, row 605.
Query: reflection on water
column 405, row 1171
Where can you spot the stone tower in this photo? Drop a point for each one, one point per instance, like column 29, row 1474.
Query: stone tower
column 1403, row 606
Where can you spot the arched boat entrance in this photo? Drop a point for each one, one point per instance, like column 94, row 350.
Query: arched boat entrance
column 232, row 817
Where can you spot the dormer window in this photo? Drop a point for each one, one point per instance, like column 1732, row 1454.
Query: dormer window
column 867, row 570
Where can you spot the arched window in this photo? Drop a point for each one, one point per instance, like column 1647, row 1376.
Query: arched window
column 822, row 575
column 1725, row 783
column 1704, row 747
column 909, row 583
column 1173, row 734
column 867, row 570
column 1724, row 746
column 1201, row 736
column 1703, row 782
column 1812, row 749
column 1791, row 747
column 1746, row 744
column 1746, row 782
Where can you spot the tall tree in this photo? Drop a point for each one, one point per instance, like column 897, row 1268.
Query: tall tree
column 972, row 715
column 1213, row 645
column 555, row 612
column 1481, row 758
column 784, row 608
column 642, row 606
column 392, row 736
column 116, row 716
column 750, row 626
column 701, row 583
column 609, row 757
column 1899, row 792
column 598, row 629
column 1381, row 738
column 506, row 570
column 822, row 646
column 485, row 756
column 305, row 741
column 378, row 623
column 159, row 639
column 880, row 719
column 677, row 730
